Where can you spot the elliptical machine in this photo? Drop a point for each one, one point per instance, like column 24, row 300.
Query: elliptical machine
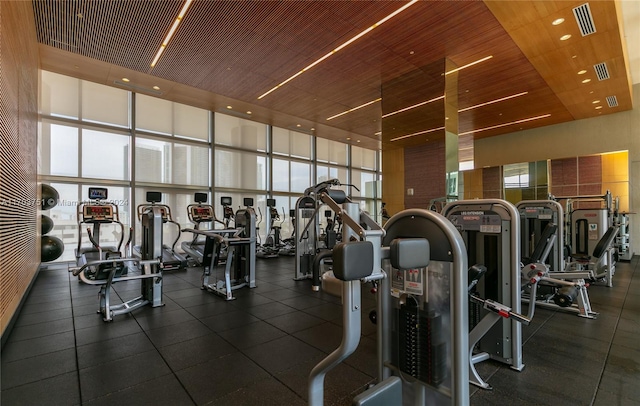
column 149, row 266
column 171, row 259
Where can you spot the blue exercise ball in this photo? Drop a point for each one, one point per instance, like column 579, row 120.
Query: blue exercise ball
column 49, row 197
column 46, row 224
column 50, row 248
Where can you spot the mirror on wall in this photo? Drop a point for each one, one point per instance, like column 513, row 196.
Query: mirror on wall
column 572, row 176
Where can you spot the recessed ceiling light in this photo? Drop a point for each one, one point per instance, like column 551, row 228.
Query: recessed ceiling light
column 582, row 72
column 248, row 112
column 557, row 21
column 418, row 133
column 595, row 101
column 357, row 140
column 486, row 58
column 413, row 107
column 506, row 124
column 125, row 80
column 298, row 125
column 172, row 31
column 598, row 107
column 586, row 81
column 591, row 92
column 565, row 37
column 574, row 56
column 343, row 45
column 229, row 107
column 156, row 87
column 348, row 138
column 493, row 101
column 355, row 108
column 313, row 129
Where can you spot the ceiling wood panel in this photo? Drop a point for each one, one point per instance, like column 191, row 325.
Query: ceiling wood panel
column 230, row 52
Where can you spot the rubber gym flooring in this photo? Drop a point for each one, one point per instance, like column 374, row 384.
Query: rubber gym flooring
column 260, row 348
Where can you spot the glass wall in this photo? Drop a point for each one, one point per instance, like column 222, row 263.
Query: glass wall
column 89, row 136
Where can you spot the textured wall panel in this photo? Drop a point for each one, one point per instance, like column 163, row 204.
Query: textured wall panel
column 19, row 248
column 424, row 172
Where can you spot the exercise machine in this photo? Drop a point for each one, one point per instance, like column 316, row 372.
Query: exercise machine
column 490, row 229
column 201, row 213
column 171, row 259
column 272, row 244
column 309, row 240
column 96, row 213
column 600, row 266
column 419, row 261
column 149, row 269
column 239, row 243
column 535, row 216
column 568, row 295
column 422, row 323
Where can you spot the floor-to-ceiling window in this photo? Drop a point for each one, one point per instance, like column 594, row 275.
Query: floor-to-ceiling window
column 131, row 143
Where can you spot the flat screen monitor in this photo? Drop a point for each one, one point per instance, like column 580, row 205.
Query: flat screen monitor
column 98, row 193
column 225, row 200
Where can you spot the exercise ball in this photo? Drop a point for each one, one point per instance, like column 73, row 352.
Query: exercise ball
column 49, row 197
column 50, row 248
column 46, row 224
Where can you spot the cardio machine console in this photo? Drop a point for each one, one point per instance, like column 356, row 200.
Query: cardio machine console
column 97, row 214
column 201, row 214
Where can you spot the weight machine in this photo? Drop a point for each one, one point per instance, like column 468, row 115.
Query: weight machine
column 419, row 261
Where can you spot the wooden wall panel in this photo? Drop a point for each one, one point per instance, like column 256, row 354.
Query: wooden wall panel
column 393, row 179
column 424, row 172
column 492, row 183
column 19, row 240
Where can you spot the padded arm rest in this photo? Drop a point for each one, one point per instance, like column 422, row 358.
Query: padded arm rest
column 409, row 253
column 338, row 195
column 353, row 260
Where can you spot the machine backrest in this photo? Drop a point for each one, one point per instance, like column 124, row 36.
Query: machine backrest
column 541, row 245
column 605, row 242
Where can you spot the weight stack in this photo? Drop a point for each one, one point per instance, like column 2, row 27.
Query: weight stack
column 422, row 351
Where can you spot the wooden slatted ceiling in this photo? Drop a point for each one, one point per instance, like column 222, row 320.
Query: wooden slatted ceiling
column 236, row 50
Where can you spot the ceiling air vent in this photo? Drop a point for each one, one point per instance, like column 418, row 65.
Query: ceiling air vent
column 612, row 101
column 584, row 19
column 601, row 71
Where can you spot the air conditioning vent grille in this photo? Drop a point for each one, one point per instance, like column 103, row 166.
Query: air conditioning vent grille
column 612, row 101
column 584, row 19
column 601, row 71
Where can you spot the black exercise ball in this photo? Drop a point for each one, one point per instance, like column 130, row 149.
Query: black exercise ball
column 50, row 248
column 46, row 224
column 49, row 197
